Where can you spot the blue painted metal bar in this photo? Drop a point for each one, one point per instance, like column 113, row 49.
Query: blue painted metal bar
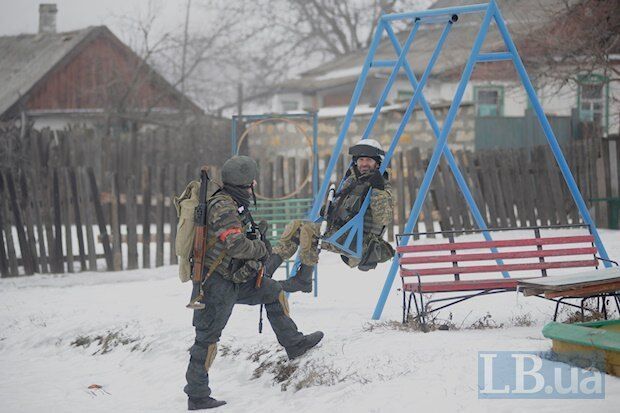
column 544, row 122
column 357, row 224
column 494, row 57
column 434, row 161
column 357, row 92
column 315, row 183
column 417, row 93
column 402, row 59
column 315, row 150
column 435, row 20
column 383, row 63
column 446, row 152
column 233, row 135
column 474, row 8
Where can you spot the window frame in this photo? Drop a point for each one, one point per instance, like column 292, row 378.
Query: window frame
column 590, row 79
column 285, row 102
column 500, row 98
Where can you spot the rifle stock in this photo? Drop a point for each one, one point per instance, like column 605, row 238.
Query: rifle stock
column 200, row 220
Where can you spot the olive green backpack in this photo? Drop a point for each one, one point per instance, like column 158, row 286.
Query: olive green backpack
column 185, row 205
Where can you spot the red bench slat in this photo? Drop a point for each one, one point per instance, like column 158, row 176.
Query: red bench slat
column 496, row 268
column 496, row 244
column 427, row 259
column 448, row 286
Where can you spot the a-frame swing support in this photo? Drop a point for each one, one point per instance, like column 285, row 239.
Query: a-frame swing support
column 448, row 16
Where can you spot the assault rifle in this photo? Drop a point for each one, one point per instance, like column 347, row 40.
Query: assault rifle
column 200, row 240
column 260, row 232
column 328, row 212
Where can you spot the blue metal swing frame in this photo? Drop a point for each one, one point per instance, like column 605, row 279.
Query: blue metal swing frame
column 448, row 16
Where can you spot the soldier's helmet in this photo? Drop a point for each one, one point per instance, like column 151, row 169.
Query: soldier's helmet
column 239, row 171
column 368, row 148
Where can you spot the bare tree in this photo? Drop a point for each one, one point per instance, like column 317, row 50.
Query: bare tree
column 582, row 41
column 258, row 43
column 280, row 38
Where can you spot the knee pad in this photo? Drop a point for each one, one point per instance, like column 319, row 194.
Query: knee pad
column 284, row 303
column 308, row 242
column 291, row 230
column 211, row 353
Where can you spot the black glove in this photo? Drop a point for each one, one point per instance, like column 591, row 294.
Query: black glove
column 375, row 179
column 263, row 227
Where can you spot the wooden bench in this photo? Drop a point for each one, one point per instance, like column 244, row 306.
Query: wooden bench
column 477, row 268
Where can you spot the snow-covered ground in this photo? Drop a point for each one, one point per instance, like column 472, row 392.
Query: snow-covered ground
column 129, row 332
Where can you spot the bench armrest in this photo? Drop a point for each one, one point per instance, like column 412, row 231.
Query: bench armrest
column 603, row 259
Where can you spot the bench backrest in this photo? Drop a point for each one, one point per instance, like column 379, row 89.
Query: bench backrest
column 530, row 254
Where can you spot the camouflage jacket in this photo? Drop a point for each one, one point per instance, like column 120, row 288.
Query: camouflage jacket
column 227, row 226
column 380, row 212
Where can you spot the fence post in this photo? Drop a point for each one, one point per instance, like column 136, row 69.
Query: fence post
column 146, row 218
column 88, row 219
column 131, row 218
column 117, row 240
column 105, row 239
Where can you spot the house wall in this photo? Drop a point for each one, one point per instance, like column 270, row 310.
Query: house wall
column 614, row 109
column 100, row 75
column 287, row 140
column 272, row 104
column 59, row 122
column 558, row 102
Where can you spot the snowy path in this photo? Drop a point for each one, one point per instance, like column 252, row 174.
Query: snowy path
column 360, row 366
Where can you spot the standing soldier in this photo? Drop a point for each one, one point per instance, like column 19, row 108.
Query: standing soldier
column 230, row 271
column 362, row 177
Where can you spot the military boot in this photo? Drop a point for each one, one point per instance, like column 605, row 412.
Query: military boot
column 307, row 342
column 204, row 403
column 302, row 281
column 272, row 264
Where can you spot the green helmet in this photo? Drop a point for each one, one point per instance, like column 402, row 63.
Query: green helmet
column 239, row 170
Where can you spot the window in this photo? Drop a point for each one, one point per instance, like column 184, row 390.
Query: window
column 404, row 95
column 335, row 100
column 592, row 99
column 489, row 101
column 288, row 105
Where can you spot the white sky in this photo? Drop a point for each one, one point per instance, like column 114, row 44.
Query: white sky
column 22, row 16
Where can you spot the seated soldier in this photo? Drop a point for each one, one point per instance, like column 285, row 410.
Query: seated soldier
column 363, row 176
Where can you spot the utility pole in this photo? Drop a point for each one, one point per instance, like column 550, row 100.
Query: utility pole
column 240, row 99
column 184, row 47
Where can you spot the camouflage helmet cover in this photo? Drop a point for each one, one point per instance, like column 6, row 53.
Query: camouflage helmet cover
column 239, row 170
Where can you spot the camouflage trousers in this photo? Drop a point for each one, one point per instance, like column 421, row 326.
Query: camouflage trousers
column 305, row 236
column 220, row 297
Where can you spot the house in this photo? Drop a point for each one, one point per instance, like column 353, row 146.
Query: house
column 86, row 76
column 494, row 89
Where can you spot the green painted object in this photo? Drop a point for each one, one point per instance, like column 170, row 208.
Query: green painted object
column 278, row 213
column 593, row 340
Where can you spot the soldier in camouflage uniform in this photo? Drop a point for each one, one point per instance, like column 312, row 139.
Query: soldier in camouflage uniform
column 231, row 266
column 363, row 176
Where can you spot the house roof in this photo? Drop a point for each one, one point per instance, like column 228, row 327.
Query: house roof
column 28, row 58
column 522, row 16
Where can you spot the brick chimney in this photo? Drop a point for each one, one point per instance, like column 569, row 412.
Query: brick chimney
column 47, row 18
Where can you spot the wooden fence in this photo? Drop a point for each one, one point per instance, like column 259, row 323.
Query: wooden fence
column 512, row 188
column 125, row 153
column 60, row 219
